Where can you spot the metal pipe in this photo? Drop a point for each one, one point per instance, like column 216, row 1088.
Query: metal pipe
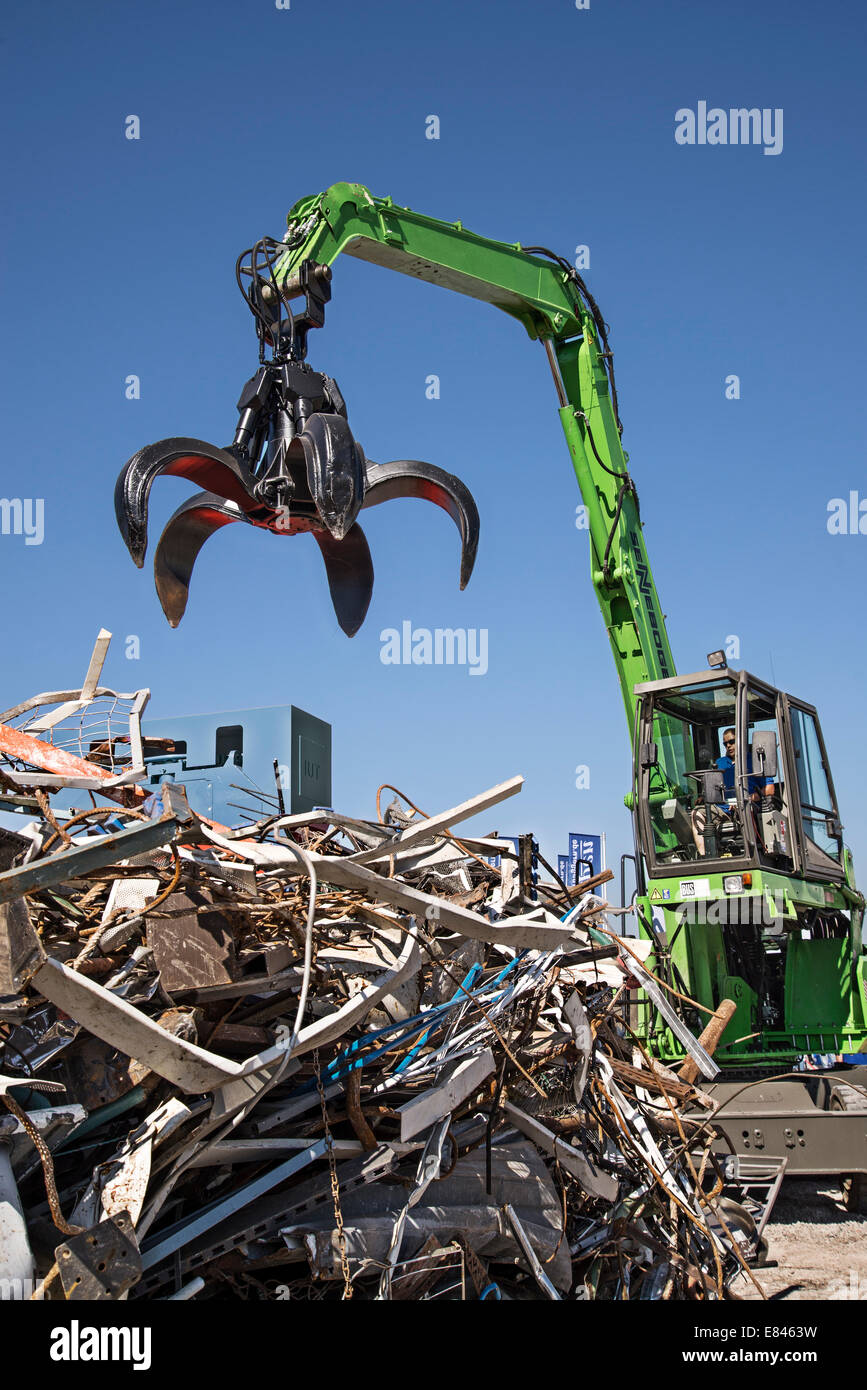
column 188, row 1291
column 555, row 372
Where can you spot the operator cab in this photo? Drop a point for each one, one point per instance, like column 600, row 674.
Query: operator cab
column 733, row 774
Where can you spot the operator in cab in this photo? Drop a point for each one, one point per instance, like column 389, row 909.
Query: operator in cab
column 724, row 815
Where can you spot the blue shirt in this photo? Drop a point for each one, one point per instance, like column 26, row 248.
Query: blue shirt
column 727, row 768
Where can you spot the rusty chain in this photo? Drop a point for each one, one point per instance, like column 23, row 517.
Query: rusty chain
column 335, row 1186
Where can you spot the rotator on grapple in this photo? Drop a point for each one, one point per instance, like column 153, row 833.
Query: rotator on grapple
column 293, row 464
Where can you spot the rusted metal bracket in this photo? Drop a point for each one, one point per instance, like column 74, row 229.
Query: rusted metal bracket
column 101, row 1263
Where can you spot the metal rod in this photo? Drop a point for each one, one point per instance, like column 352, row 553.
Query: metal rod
column 555, row 372
column 279, row 786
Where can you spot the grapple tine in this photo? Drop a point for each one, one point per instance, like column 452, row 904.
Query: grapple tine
column 413, row 478
column 335, row 470
column 200, row 462
column 350, row 575
column 186, row 531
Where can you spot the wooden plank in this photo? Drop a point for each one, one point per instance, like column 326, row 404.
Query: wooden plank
column 710, row 1037
column 640, row 1076
column 587, row 885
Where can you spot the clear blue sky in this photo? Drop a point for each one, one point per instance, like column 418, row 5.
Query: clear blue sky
column 557, row 127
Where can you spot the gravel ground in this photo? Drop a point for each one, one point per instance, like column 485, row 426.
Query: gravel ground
column 819, row 1248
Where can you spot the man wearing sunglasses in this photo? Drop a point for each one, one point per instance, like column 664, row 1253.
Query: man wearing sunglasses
column 722, row 815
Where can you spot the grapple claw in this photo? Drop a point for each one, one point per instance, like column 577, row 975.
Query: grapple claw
column 293, row 465
column 185, row 532
column 348, row 565
column 413, row 478
column 335, row 470
column 216, row 469
column 350, row 575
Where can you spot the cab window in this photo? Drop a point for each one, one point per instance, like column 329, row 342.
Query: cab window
column 818, row 812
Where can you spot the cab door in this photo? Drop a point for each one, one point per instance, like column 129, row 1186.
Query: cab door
column 820, row 833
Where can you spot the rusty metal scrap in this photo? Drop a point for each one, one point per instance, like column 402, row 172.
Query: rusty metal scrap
column 328, row 1052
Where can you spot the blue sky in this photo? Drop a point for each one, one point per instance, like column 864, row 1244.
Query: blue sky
column 557, row 127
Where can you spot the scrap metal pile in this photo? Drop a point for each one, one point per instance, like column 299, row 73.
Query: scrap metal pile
column 321, row 1056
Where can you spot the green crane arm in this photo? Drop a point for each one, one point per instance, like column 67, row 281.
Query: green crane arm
column 548, row 298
